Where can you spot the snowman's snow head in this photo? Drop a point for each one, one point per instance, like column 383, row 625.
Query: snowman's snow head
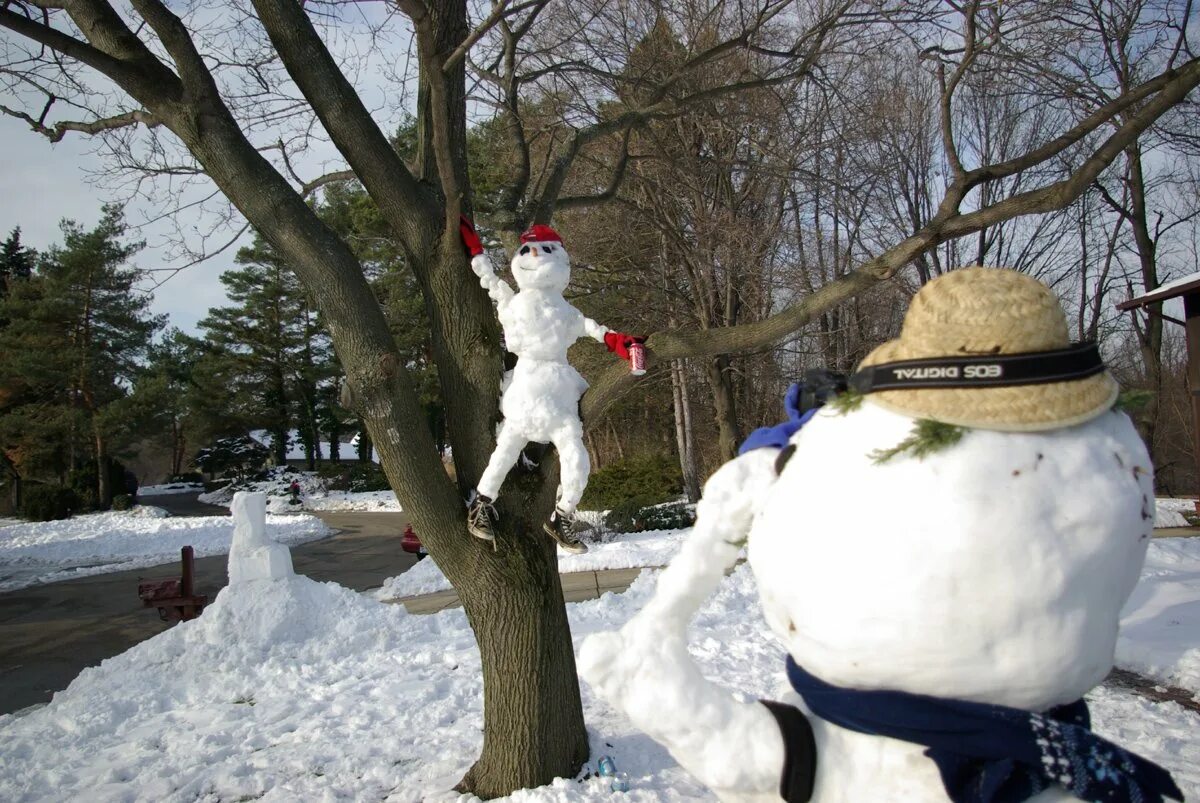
column 993, row 569
column 541, row 263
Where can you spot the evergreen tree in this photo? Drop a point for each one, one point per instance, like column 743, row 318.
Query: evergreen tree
column 77, row 334
column 16, row 261
column 270, row 347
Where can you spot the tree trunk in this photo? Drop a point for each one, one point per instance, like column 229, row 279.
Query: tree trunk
column 533, row 723
column 729, row 435
column 1151, row 340
column 103, row 481
column 683, row 434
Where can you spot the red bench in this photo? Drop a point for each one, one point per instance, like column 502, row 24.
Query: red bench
column 174, row 597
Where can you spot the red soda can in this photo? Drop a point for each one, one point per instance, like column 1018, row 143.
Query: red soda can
column 637, row 359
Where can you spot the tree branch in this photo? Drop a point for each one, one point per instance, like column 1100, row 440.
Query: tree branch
column 405, row 205
column 60, row 129
column 69, row 46
column 500, row 10
column 614, row 184
column 434, row 74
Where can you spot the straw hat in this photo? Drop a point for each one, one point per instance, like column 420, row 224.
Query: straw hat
column 980, row 312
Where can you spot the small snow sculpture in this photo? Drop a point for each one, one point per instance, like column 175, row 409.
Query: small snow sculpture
column 939, row 647
column 540, row 399
column 253, row 555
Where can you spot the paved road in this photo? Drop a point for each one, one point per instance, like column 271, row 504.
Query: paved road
column 49, row 633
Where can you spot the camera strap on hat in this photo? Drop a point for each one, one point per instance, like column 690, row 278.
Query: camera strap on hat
column 1079, row 361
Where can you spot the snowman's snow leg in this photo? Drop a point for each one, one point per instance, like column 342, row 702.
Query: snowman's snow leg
column 509, row 443
column 574, row 467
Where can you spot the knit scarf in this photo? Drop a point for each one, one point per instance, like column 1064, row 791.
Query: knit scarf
column 991, row 753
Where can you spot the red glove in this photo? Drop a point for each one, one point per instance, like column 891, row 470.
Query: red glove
column 470, row 238
column 618, row 343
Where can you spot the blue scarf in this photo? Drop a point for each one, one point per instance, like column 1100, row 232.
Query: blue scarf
column 990, row 753
column 777, row 437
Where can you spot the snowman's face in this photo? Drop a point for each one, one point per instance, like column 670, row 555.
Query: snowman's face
column 542, row 266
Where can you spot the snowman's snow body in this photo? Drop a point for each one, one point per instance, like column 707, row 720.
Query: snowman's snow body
column 540, row 398
column 993, row 571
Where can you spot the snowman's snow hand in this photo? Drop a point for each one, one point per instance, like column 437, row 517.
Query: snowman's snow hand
column 926, row 438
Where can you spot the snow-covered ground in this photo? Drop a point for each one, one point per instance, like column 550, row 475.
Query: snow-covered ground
column 1169, row 512
column 170, row 488
column 32, row 553
column 626, row 551
column 1160, row 625
column 314, row 495
column 296, row 690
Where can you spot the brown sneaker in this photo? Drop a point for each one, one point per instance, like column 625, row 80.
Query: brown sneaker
column 561, row 527
column 480, row 517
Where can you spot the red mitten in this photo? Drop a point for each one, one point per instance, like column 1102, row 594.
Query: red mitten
column 619, row 343
column 470, row 238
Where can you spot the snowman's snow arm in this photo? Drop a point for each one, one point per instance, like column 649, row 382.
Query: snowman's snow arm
column 594, row 330
column 734, row 747
column 496, row 287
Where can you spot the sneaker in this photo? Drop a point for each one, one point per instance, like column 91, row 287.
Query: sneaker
column 480, row 517
column 561, row 527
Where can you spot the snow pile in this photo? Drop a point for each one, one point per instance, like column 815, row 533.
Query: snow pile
column 277, row 487
column 314, row 494
column 1169, row 512
column 296, row 690
column 98, row 543
column 1160, row 625
column 357, row 501
column 170, row 488
column 630, row 550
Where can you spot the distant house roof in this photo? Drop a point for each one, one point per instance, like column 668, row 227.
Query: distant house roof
column 1179, row 287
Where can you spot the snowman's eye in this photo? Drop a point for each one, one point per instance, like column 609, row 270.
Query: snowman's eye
column 549, row 249
column 524, row 250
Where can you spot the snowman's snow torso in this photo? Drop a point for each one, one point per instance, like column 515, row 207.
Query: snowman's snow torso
column 992, row 571
column 857, row 768
column 540, row 325
column 543, row 393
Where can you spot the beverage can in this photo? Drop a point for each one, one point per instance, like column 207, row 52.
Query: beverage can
column 637, row 359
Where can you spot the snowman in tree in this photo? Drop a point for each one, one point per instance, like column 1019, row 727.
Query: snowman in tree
column 540, row 397
column 943, row 552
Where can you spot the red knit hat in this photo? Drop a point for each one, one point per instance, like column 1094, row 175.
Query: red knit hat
column 540, row 234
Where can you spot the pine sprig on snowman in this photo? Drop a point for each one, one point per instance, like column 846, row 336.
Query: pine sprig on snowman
column 939, row 647
column 540, row 398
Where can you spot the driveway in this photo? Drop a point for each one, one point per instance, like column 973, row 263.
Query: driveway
column 52, row 632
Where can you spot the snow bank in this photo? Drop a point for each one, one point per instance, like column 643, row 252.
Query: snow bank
column 296, row 690
column 1160, row 624
column 314, row 495
column 170, row 488
column 627, row 551
column 1169, row 512
column 47, row 552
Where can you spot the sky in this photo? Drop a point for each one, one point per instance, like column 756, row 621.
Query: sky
column 42, row 182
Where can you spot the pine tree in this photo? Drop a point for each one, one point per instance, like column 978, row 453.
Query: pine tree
column 77, row 334
column 270, row 345
column 16, row 261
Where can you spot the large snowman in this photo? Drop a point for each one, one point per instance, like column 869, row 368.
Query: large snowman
column 540, row 399
column 943, row 552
